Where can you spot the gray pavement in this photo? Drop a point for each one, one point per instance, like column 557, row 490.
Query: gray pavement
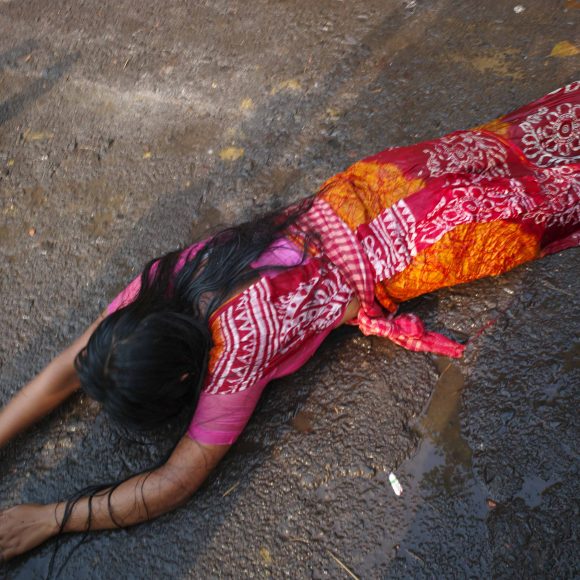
column 129, row 128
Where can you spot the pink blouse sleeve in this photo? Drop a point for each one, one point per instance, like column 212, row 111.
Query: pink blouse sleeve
column 232, row 393
column 220, row 417
column 126, row 296
column 231, row 390
column 129, row 293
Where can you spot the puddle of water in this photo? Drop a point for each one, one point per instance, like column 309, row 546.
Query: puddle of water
column 440, row 425
column 439, row 487
column 441, row 469
column 533, row 489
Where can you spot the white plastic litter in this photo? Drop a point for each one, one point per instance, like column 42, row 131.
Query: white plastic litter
column 395, row 484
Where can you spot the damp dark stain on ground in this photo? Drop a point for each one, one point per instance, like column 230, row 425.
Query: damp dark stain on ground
column 125, row 131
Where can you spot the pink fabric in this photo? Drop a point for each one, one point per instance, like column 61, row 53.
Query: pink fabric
column 412, row 225
column 571, row 241
column 408, row 331
column 219, row 419
column 130, row 292
column 341, row 247
column 390, row 236
column 281, row 253
column 266, row 332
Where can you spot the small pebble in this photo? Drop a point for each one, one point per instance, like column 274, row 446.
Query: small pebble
column 491, row 504
column 519, row 9
column 32, row 232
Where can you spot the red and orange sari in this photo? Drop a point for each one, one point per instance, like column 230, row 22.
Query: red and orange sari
column 396, row 225
column 474, row 203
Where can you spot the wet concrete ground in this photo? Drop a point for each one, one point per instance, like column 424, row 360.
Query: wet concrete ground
column 125, row 131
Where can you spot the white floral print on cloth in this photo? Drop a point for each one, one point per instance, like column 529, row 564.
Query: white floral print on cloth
column 474, row 152
column 462, row 203
column 401, row 231
column 310, row 308
column 561, row 187
column 552, row 136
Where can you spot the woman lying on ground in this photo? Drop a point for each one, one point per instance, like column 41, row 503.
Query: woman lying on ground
column 206, row 328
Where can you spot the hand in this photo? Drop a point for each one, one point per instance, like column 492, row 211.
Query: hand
column 24, row 527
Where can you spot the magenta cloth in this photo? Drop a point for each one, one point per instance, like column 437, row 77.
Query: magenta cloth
column 274, row 326
column 220, row 418
column 408, row 331
column 130, row 292
column 267, row 331
column 340, row 245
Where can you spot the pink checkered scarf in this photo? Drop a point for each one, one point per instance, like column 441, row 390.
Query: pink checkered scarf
column 340, row 245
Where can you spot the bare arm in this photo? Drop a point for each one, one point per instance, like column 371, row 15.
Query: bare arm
column 140, row 498
column 149, row 495
column 44, row 392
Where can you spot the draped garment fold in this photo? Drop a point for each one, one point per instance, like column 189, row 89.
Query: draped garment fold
column 471, row 204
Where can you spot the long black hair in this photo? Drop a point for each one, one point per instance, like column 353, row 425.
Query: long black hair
column 146, row 362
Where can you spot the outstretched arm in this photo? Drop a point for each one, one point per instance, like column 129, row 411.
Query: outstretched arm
column 140, row 498
column 44, row 392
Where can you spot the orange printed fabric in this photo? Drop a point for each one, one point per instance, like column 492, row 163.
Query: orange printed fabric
column 364, row 190
column 468, row 205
